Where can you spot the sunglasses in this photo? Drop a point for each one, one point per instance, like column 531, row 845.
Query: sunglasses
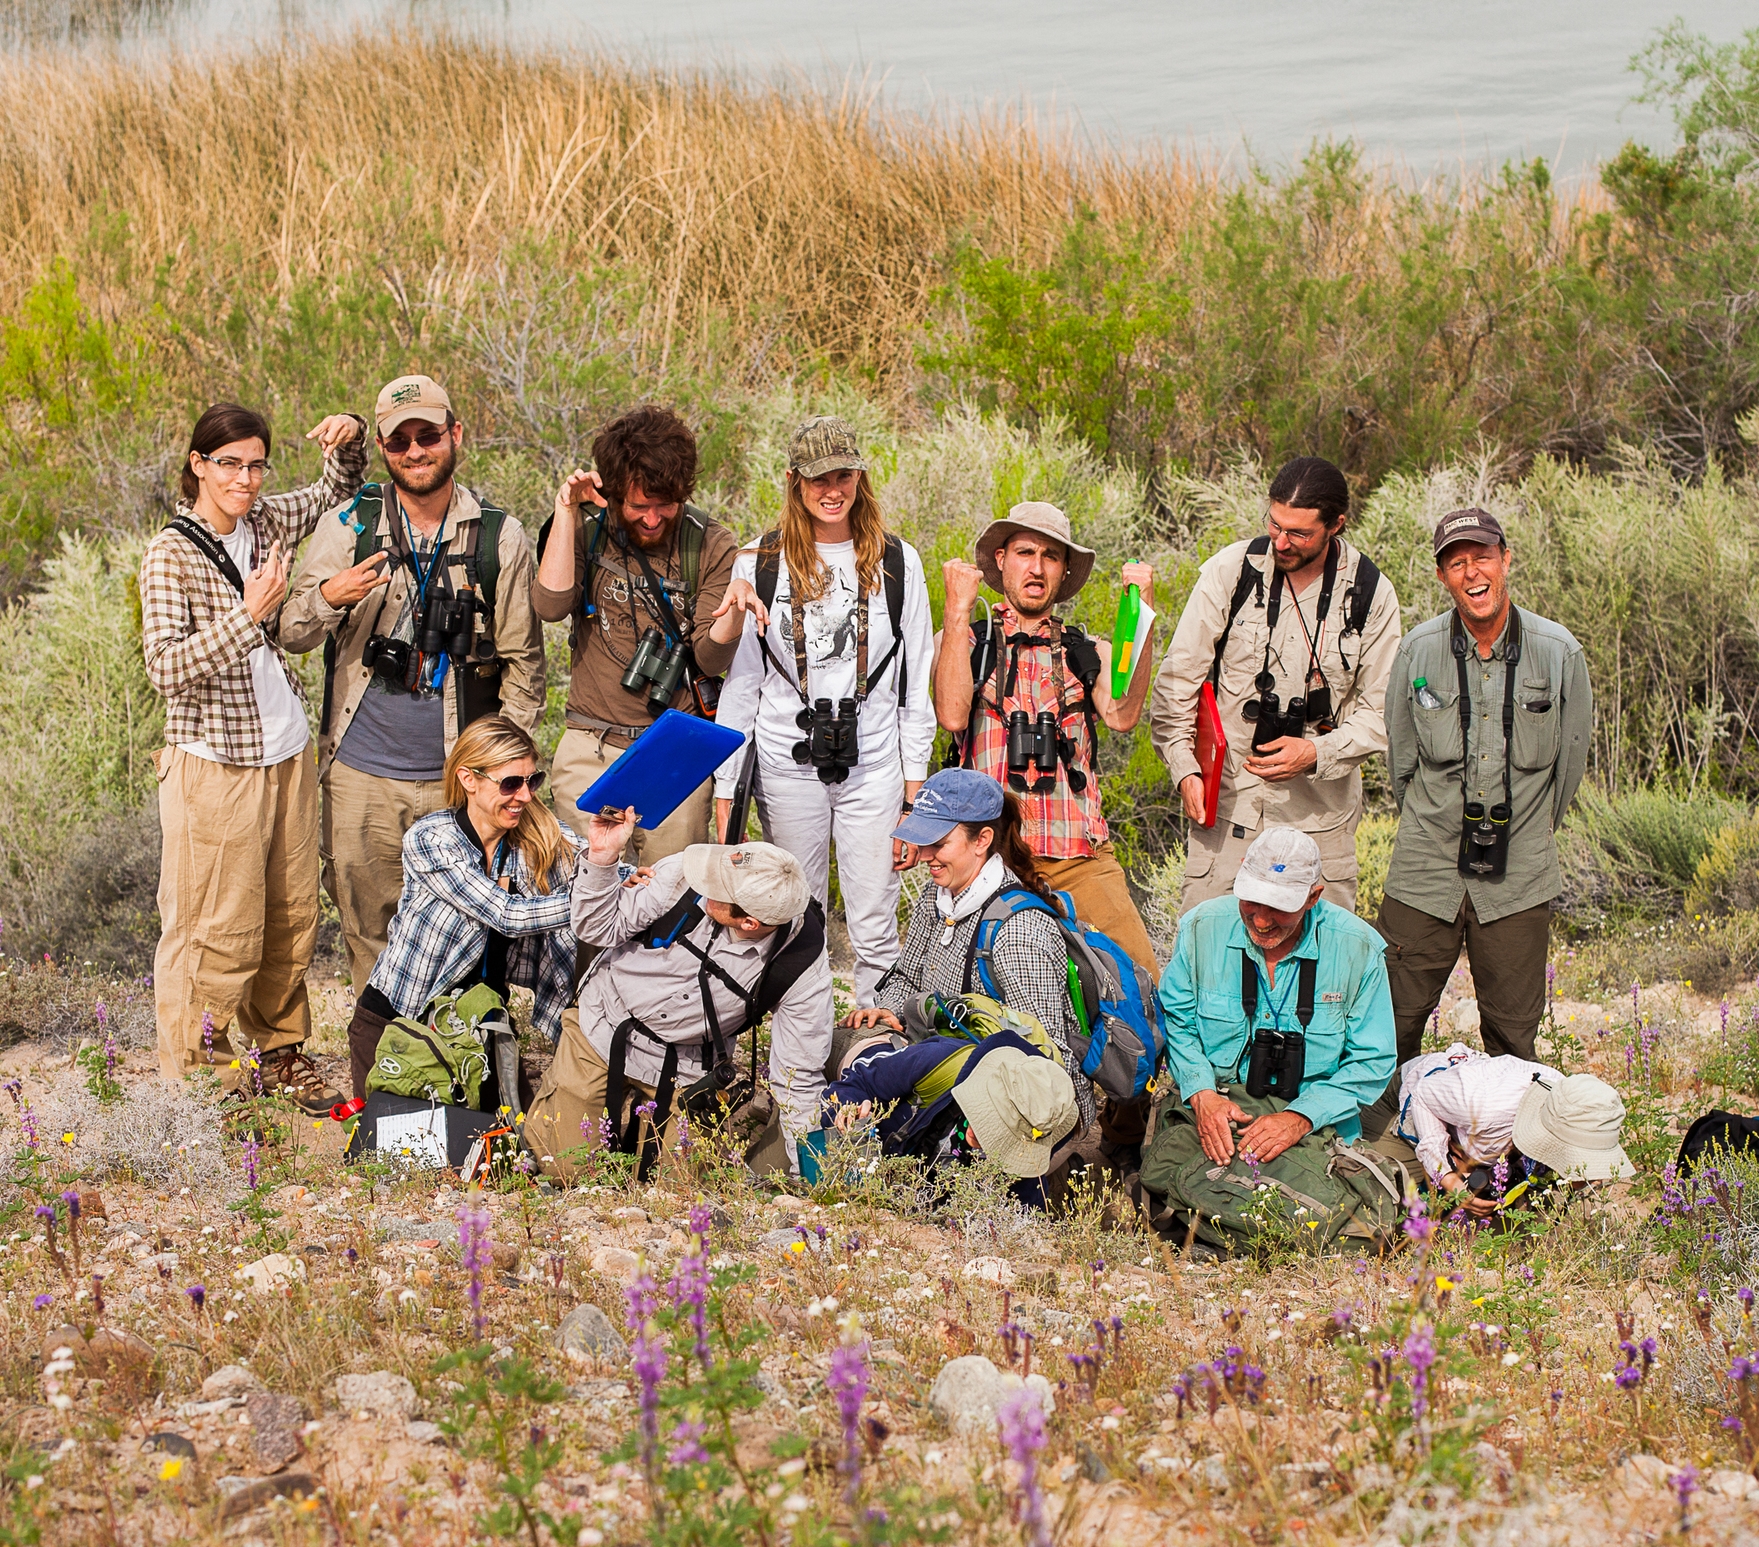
column 512, row 783
column 427, row 437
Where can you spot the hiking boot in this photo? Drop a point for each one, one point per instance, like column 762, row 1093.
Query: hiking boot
column 289, row 1072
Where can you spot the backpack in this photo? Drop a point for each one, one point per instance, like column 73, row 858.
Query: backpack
column 1714, row 1137
column 482, row 568
column 1080, row 654
column 974, row 1017
column 769, row 574
column 1341, row 1190
column 444, row 1060
column 1121, row 1039
column 692, row 535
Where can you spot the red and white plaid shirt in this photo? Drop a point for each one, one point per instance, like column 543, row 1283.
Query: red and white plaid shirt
column 1059, row 823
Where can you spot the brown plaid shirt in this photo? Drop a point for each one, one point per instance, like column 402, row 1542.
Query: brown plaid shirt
column 197, row 634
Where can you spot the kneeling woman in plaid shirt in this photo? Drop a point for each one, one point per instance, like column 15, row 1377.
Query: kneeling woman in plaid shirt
column 967, row 828
column 485, row 894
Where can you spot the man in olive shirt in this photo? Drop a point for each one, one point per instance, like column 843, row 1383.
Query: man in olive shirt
column 1475, row 859
column 646, row 565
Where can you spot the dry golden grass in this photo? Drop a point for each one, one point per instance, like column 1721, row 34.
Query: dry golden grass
column 780, row 209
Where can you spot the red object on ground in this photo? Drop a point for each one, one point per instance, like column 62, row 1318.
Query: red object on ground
column 343, row 1110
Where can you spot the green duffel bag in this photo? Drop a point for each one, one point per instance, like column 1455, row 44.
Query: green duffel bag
column 445, row 1060
column 1342, row 1191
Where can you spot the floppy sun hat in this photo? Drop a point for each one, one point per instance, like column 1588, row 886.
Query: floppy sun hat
column 1573, row 1127
column 1018, row 1105
column 1042, row 520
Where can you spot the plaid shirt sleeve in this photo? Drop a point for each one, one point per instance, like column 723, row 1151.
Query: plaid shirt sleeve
column 180, row 652
column 291, row 517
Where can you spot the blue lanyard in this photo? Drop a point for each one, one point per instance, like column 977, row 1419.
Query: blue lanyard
column 1276, row 1011
column 421, row 580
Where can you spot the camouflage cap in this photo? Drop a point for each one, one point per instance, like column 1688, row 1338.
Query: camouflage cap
column 823, row 445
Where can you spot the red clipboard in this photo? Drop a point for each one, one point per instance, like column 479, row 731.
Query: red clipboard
column 1212, row 751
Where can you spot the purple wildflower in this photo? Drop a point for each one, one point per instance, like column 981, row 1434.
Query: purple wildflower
column 352, row 1255
column 1022, row 1426
column 687, row 1448
column 43, row 1302
column 97, row 1294
column 1499, row 1177
column 1684, row 1482
column 648, row 1359
column 847, row 1382
column 1420, row 1355
column 1418, row 1225
column 251, row 1152
column 14, row 1088
column 198, row 1296
column 1745, row 1296
column 27, row 1122
column 253, row 1060
column 473, row 1244
column 689, row 1286
column 208, row 1034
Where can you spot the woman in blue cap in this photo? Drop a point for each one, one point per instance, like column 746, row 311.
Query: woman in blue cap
column 966, row 828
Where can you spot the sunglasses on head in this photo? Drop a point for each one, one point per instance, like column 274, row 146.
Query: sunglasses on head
column 511, row 783
column 427, row 437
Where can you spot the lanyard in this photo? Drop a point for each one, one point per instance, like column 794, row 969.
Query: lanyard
column 1320, row 613
column 1276, row 1010
column 797, row 616
column 421, row 580
column 1511, row 658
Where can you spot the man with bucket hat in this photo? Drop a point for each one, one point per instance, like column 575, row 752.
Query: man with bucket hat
column 1489, row 717
column 718, row 936
column 1023, row 694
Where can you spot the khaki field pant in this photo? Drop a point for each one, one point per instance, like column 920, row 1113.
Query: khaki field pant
column 564, row 1114
column 1216, row 852
column 1508, row 972
column 365, row 818
column 238, row 907
column 582, row 756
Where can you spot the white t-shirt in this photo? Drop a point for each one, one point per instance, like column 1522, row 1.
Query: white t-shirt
column 285, row 731
column 756, row 693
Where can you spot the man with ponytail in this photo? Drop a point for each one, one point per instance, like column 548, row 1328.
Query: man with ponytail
column 1290, row 638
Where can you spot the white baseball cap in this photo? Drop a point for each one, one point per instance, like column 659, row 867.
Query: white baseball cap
column 767, row 882
column 1280, row 870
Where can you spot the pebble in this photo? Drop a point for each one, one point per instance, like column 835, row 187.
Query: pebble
column 992, row 1270
column 275, row 1425
column 586, row 1334
column 616, row 1262
column 381, row 1393
column 784, row 1240
column 170, row 1444
column 425, row 1433
column 395, row 1227
column 245, row 1494
column 968, row 1390
column 267, row 1274
column 231, row 1382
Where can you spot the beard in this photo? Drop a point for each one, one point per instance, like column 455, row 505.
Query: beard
column 651, row 542
column 424, row 480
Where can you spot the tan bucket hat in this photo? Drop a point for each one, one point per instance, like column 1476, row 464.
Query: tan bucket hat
column 1047, row 521
column 823, row 445
column 1573, row 1127
column 411, row 397
column 767, row 882
column 1018, row 1105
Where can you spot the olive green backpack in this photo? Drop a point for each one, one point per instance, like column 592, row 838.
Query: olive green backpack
column 447, row 1059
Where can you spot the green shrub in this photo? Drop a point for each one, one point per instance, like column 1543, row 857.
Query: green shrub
column 1374, row 852
column 1727, row 877
column 1654, row 835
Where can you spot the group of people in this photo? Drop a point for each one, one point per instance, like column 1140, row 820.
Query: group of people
column 650, row 948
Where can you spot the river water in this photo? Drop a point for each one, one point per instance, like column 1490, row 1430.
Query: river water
column 1435, row 84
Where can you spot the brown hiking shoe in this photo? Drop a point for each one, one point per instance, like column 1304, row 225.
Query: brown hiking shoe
column 290, row 1073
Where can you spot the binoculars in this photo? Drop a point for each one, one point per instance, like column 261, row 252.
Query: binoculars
column 656, row 669
column 831, row 745
column 1039, row 741
column 1279, row 1062
column 1484, row 839
column 396, row 660
column 447, row 625
column 1271, row 721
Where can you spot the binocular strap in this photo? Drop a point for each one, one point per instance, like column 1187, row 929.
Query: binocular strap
column 1511, row 658
column 1306, row 984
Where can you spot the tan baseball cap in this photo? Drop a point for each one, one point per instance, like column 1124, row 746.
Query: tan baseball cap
column 823, row 445
column 767, row 882
column 1018, row 1105
column 411, row 397
column 1042, row 520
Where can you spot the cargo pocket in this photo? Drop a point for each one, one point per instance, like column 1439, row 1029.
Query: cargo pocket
column 1534, row 744
column 1438, row 731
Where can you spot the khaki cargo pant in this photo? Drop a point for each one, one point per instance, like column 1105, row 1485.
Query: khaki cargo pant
column 238, row 907
column 365, row 818
column 582, row 756
column 1216, row 852
column 572, row 1095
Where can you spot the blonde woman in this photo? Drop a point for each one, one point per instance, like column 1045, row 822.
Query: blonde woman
column 485, row 894
column 831, row 678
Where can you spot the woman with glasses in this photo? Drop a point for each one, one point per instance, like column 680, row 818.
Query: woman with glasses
column 485, row 895
column 238, row 794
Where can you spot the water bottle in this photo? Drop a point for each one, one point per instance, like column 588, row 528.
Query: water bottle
column 1425, row 697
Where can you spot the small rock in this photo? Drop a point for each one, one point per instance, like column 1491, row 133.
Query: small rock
column 381, row 1393
column 586, row 1334
column 275, row 1424
column 1730, row 1484
column 227, row 1486
column 395, row 1227
column 1056, row 1321
column 719, row 1218
column 1489, row 1278
column 787, row 1240
column 616, row 1262
column 268, row 1274
column 770, row 1387
column 639, row 1215
column 130, row 1227
column 505, row 1255
column 91, row 1206
column 1038, row 1281
column 230, row 1382
column 1215, row 1474
column 992, row 1270
column 968, row 1390
column 425, row 1433
column 1093, row 1466
column 110, row 1353
column 244, row 1496
column 1644, row 1472
column 172, row 1444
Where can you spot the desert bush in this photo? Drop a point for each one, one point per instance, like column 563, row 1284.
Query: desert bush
column 1727, row 876
column 1374, row 852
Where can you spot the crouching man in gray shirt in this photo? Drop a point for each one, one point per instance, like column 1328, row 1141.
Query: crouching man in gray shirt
column 693, row 953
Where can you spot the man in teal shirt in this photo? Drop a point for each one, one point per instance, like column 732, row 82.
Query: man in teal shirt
column 1273, row 924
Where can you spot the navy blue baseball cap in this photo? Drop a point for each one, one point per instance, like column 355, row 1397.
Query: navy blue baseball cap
column 952, row 796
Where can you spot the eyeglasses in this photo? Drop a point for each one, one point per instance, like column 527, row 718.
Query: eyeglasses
column 512, row 783
column 231, row 467
column 399, row 440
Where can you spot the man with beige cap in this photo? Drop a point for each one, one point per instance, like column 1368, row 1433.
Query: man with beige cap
column 699, row 951
column 419, row 592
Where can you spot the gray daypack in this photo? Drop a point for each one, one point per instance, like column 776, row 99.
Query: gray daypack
column 1344, row 1190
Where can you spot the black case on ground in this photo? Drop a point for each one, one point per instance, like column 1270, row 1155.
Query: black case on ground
column 457, row 1128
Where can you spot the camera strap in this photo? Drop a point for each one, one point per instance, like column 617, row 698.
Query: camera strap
column 1511, row 658
column 210, row 549
column 657, row 589
column 1273, row 609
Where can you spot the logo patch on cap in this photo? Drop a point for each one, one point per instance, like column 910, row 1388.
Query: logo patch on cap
column 738, row 857
column 1279, row 867
column 409, row 393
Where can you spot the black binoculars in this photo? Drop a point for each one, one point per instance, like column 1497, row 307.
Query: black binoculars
column 831, row 744
column 1484, row 839
column 656, row 669
column 1279, row 1063
column 1270, row 720
column 448, row 625
column 1032, row 741
column 396, row 660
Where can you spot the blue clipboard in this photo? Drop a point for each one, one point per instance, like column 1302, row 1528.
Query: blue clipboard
column 667, row 763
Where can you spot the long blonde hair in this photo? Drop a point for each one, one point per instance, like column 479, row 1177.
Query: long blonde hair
column 807, row 576
column 492, row 742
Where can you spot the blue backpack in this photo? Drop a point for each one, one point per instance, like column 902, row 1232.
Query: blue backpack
column 1121, row 1039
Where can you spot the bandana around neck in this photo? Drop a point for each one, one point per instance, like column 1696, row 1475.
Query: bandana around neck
column 952, row 909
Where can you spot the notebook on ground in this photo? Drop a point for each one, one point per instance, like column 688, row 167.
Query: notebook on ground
column 671, row 759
